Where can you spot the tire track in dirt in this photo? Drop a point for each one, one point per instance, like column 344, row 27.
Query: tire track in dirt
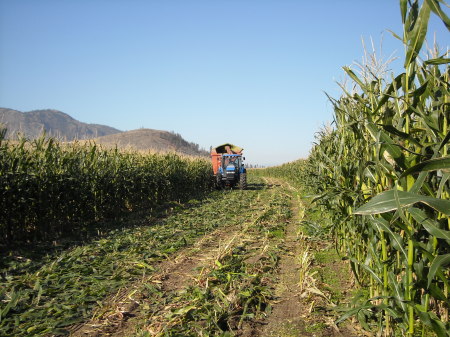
column 173, row 274
column 286, row 313
column 253, row 238
column 291, row 314
column 285, row 318
column 181, row 272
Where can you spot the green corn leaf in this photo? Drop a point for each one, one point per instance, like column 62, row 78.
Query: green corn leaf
column 438, row 293
column 394, row 86
column 417, row 35
column 411, row 17
column 437, row 61
column 429, row 225
column 419, row 182
column 430, row 319
column 353, row 312
column 391, row 129
column 368, row 269
column 444, row 179
column 386, row 201
column 11, row 304
column 361, row 316
column 398, row 205
column 395, row 35
column 430, row 121
column 384, row 225
column 391, row 147
column 403, row 9
column 183, row 311
column 445, row 141
column 436, row 8
column 143, row 265
column 421, row 90
column 354, row 77
column 398, row 291
column 438, row 262
column 429, row 165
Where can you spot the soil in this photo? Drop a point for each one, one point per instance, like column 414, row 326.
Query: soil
column 288, row 308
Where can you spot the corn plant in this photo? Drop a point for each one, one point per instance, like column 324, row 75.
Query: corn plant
column 48, row 189
column 390, row 148
column 383, row 170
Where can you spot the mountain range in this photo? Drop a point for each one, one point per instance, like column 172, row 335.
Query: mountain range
column 60, row 125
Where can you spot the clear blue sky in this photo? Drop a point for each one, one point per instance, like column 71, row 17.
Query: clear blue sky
column 249, row 72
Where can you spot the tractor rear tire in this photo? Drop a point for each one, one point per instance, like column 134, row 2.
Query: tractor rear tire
column 243, row 181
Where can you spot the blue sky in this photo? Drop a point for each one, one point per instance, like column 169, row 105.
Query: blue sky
column 249, row 72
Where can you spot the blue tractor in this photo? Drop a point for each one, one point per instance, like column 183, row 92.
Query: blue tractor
column 228, row 167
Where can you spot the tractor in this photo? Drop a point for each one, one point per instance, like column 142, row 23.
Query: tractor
column 228, row 166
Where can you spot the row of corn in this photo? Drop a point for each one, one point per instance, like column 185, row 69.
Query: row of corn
column 384, row 172
column 48, row 188
column 294, row 171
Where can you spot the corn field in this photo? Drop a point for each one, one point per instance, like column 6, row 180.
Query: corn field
column 48, row 189
column 383, row 171
column 295, row 172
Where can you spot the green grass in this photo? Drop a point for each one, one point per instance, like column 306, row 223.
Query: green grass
column 316, row 327
column 331, row 277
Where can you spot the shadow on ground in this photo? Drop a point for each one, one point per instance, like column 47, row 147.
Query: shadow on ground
column 257, row 187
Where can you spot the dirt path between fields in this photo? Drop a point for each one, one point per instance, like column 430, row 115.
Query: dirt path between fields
column 286, row 317
column 298, row 294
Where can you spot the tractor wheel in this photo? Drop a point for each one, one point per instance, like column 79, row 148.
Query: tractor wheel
column 243, row 181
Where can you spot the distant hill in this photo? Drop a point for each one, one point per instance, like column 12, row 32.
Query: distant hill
column 56, row 124
column 157, row 140
column 60, row 125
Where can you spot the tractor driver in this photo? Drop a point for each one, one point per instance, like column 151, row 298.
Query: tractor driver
column 230, row 160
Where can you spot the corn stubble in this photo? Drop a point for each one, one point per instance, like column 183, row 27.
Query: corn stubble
column 235, row 289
